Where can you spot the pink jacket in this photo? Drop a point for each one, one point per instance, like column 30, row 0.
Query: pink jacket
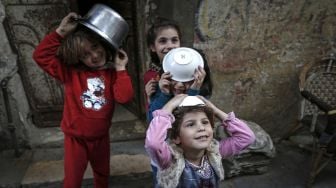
column 159, row 151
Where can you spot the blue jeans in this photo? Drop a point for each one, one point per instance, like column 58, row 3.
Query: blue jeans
column 154, row 172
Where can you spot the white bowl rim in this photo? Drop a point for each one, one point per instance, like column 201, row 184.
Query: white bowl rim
column 167, row 69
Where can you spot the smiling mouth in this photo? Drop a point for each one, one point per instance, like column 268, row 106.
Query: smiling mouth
column 202, row 137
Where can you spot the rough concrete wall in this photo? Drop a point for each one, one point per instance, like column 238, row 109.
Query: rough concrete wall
column 26, row 133
column 256, row 49
column 14, row 110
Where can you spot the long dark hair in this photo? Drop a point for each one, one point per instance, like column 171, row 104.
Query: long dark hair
column 207, row 85
column 158, row 25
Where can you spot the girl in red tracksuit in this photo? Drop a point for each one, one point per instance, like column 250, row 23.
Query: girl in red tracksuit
column 79, row 59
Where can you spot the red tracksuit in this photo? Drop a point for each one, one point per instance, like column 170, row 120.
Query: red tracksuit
column 89, row 97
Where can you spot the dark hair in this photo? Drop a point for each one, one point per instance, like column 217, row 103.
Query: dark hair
column 158, row 25
column 179, row 113
column 207, row 85
column 71, row 48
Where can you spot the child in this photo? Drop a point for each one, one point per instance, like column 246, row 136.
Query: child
column 200, row 85
column 78, row 58
column 191, row 157
column 162, row 36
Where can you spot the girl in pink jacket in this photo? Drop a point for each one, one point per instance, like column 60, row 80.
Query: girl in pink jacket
column 191, row 157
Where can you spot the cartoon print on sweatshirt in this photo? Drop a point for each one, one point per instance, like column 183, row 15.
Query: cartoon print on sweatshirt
column 94, row 98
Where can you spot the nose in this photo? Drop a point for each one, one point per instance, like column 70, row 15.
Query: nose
column 179, row 85
column 201, row 127
column 171, row 45
column 94, row 55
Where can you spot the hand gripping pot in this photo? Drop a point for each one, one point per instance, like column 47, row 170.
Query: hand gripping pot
column 107, row 23
column 182, row 63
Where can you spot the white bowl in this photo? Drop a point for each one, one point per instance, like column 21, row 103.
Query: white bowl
column 181, row 63
column 192, row 101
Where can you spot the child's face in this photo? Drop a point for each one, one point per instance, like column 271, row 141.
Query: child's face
column 177, row 87
column 166, row 40
column 196, row 132
column 94, row 54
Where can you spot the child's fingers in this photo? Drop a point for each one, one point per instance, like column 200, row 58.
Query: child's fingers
column 200, row 73
column 150, row 87
column 122, row 54
column 177, row 99
column 165, row 82
column 166, row 75
column 67, row 24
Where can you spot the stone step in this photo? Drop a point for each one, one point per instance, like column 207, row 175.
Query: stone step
column 48, row 173
column 43, row 167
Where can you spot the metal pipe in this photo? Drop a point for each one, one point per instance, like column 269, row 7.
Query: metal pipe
column 10, row 126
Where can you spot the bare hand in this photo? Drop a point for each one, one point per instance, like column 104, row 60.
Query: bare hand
column 68, row 24
column 151, row 87
column 199, row 76
column 218, row 112
column 174, row 102
column 120, row 60
column 164, row 82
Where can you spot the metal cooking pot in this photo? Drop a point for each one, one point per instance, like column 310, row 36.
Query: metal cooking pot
column 107, row 23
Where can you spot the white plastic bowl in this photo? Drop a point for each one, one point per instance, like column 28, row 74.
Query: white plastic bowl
column 181, row 63
column 192, row 101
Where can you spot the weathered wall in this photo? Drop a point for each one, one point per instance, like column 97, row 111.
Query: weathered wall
column 16, row 107
column 19, row 117
column 256, row 49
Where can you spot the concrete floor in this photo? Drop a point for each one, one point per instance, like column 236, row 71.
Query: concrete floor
column 130, row 168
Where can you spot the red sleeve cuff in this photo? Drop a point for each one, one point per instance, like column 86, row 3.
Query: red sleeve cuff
column 54, row 34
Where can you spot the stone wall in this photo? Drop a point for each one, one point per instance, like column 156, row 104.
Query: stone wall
column 15, row 111
column 13, row 103
column 256, row 50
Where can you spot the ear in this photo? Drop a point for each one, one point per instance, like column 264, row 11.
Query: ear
column 152, row 48
column 177, row 140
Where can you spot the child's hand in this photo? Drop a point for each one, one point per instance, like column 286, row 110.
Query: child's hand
column 218, row 112
column 164, row 82
column 151, row 87
column 174, row 102
column 120, row 60
column 68, row 24
column 199, row 76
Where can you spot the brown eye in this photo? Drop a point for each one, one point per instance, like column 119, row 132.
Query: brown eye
column 162, row 40
column 84, row 56
column 175, row 40
column 205, row 122
column 189, row 125
column 95, row 46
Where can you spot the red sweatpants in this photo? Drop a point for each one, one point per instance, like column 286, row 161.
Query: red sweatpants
column 78, row 152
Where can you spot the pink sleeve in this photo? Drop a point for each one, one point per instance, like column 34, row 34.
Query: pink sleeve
column 240, row 136
column 155, row 143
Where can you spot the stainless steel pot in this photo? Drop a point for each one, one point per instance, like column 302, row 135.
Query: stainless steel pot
column 107, row 23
